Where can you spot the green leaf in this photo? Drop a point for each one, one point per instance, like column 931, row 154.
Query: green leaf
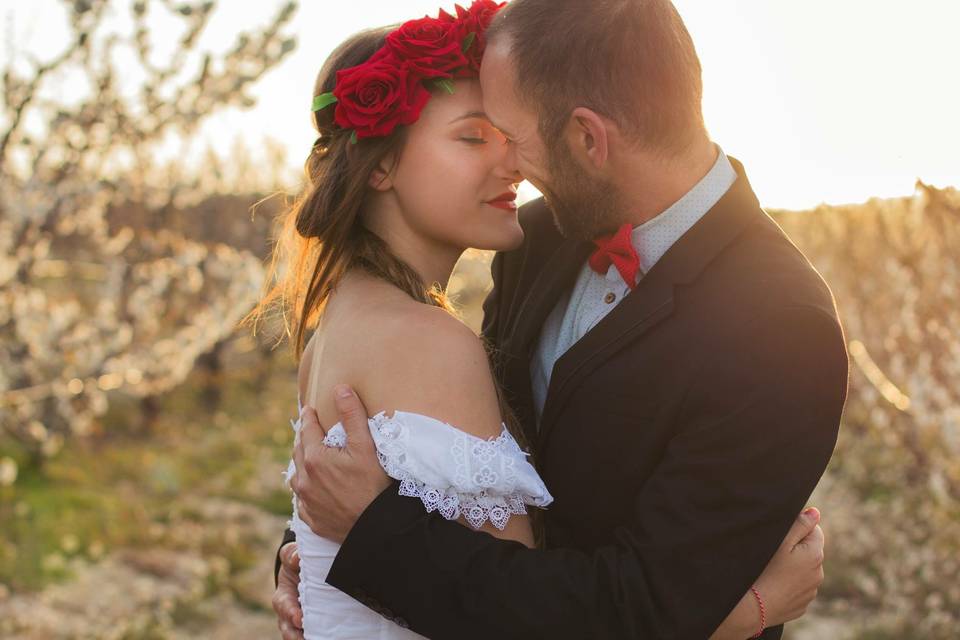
column 444, row 83
column 323, row 101
column 468, row 41
column 353, row 138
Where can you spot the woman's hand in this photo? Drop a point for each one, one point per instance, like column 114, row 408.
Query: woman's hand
column 787, row 585
column 791, row 579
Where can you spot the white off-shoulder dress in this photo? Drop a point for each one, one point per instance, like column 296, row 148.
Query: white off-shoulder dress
column 451, row 471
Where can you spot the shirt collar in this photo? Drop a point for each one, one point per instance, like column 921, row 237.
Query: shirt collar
column 653, row 238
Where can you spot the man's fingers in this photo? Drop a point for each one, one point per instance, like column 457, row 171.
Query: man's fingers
column 288, row 632
column 290, row 557
column 298, row 456
column 289, row 616
column 294, row 616
column 312, row 432
column 353, row 416
column 288, row 611
column 286, row 598
column 298, row 619
column 304, row 513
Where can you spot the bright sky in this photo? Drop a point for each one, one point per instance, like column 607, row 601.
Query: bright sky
column 823, row 101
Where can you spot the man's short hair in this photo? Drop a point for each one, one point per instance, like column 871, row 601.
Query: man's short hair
column 632, row 61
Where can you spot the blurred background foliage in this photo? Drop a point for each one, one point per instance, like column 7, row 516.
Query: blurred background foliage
column 143, row 433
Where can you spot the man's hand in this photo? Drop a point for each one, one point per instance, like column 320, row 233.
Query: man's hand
column 334, row 486
column 286, row 599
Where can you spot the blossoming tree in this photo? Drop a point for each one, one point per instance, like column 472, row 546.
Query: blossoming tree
column 88, row 307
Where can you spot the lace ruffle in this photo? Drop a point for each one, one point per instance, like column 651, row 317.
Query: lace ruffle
column 453, row 472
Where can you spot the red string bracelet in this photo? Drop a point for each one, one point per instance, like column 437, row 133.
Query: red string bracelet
column 763, row 612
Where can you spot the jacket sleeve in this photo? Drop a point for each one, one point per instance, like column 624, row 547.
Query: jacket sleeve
column 756, row 431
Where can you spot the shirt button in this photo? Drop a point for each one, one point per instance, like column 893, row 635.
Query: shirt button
column 610, row 297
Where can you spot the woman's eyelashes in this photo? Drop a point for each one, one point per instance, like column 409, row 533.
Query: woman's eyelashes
column 481, row 134
column 474, row 137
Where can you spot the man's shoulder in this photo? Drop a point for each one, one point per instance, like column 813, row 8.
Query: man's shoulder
column 760, row 293
column 771, row 271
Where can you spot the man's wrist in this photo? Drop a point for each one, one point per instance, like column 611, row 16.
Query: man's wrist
column 366, row 514
column 387, row 511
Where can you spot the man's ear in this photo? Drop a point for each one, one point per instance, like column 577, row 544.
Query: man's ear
column 381, row 179
column 588, row 137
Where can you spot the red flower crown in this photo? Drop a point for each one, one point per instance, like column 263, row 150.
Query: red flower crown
column 391, row 88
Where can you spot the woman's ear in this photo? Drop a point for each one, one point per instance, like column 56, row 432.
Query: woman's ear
column 588, row 137
column 381, row 179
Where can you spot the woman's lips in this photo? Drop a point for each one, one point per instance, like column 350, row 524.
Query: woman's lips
column 506, row 201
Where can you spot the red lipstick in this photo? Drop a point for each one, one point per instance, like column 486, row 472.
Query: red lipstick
column 506, row 201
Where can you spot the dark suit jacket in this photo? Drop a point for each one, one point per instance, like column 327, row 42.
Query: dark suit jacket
column 680, row 438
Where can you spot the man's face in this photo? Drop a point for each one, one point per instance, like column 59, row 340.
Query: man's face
column 514, row 119
column 583, row 206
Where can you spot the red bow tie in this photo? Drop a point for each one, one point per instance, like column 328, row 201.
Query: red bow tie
column 617, row 250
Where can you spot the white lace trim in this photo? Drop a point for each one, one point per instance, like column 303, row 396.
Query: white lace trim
column 476, row 510
column 490, row 480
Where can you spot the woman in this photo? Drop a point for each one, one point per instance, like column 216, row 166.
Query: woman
column 408, row 173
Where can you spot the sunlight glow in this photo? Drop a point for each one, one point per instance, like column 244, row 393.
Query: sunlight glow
column 823, row 101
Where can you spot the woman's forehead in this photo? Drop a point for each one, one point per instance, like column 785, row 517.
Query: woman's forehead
column 467, row 98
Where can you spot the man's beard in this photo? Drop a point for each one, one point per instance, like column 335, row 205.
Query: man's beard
column 583, row 207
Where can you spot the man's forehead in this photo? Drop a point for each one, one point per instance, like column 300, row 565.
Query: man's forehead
column 496, row 81
column 497, row 61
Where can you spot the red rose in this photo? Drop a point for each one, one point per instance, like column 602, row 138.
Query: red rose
column 474, row 20
column 429, row 46
column 374, row 97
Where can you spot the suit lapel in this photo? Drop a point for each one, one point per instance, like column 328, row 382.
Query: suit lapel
column 556, row 274
column 652, row 300
column 645, row 307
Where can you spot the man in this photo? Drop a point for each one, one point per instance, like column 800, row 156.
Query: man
column 681, row 381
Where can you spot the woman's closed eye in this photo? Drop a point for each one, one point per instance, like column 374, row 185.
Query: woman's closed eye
column 481, row 132
column 474, row 137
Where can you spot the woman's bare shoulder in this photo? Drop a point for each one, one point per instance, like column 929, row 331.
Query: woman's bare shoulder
column 424, row 360
column 400, row 354
column 372, row 316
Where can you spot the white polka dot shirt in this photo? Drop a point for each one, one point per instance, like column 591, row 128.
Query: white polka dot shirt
column 593, row 296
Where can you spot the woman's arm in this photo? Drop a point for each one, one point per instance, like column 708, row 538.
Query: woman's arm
column 787, row 586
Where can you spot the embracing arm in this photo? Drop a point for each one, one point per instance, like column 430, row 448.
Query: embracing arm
column 758, row 430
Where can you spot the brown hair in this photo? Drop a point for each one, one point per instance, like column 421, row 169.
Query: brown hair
column 322, row 236
column 632, row 61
